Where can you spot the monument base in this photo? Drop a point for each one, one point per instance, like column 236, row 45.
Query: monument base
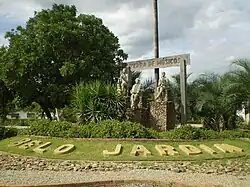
column 135, row 115
column 162, row 115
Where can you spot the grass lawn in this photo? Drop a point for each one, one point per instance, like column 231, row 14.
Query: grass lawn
column 93, row 150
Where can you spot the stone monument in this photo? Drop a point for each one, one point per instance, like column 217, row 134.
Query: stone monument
column 162, row 111
column 124, row 81
column 161, row 91
column 119, row 87
column 136, row 94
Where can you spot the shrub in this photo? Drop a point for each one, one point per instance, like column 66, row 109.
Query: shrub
column 243, row 125
column 7, row 132
column 102, row 129
column 191, row 133
column 18, row 122
column 123, row 129
column 68, row 114
column 117, row 129
column 235, row 134
column 98, row 101
column 49, row 128
column 185, row 132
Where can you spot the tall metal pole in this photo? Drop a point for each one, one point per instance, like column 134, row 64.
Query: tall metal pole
column 156, row 39
column 183, row 85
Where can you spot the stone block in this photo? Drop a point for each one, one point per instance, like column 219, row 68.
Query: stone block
column 162, row 115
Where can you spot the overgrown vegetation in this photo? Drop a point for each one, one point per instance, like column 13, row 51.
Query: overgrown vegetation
column 7, row 132
column 98, row 101
column 192, row 133
column 69, row 63
column 124, row 129
column 102, row 129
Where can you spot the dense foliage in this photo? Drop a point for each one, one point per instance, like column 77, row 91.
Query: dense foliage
column 18, row 122
column 55, row 50
column 125, row 129
column 192, row 133
column 98, row 101
column 61, row 61
column 5, row 98
column 103, row 129
column 7, row 132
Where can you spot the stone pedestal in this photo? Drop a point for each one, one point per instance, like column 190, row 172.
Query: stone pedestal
column 162, row 115
column 135, row 115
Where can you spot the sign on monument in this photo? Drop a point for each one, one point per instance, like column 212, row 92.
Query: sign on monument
column 170, row 61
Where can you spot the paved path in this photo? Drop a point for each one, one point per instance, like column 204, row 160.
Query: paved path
column 48, row 177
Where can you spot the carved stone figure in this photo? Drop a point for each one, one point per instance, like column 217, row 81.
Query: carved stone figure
column 135, row 94
column 124, row 81
column 118, row 87
column 129, row 78
column 161, row 91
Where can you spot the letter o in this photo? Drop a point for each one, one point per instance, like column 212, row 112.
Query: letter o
column 67, row 148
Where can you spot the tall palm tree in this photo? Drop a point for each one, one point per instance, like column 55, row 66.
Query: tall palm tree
column 174, row 93
column 213, row 101
column 240, row 82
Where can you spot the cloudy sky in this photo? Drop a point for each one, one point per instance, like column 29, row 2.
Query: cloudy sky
column 214, row 32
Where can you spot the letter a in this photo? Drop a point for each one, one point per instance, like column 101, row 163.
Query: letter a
column 139, row 150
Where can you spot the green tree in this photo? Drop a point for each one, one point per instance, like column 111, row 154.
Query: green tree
column 5, row 99
column 213, row 101
column 174, row 94
column 240, row 82
column 56, row 50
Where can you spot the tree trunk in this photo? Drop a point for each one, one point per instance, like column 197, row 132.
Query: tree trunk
column 47, row 112
column 57, row 115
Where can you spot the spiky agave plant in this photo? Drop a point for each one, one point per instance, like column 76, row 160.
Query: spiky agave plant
column 98, row 101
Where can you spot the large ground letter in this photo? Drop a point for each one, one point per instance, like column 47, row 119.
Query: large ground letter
column 41, row 149
column 30, row 144
column 20, row 142
column 165, row 150
column 207, row 149
column 225, row 148
column 139, row 150
column 64, row 149
column 190, row 149
column 117, row 151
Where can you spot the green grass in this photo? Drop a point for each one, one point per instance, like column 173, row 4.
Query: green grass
column 92, row 150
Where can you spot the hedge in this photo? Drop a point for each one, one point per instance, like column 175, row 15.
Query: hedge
column 18, row 122
column 103, row 129
column 124, row 129
column 7, row 132
column 188, row 132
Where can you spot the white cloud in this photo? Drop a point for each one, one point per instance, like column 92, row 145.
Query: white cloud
column 214, row 32
column 3, row 41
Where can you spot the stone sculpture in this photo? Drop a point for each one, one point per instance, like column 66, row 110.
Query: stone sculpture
column 135, row 94
column 118, row 87
column 161, row 91
column 124, row 81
